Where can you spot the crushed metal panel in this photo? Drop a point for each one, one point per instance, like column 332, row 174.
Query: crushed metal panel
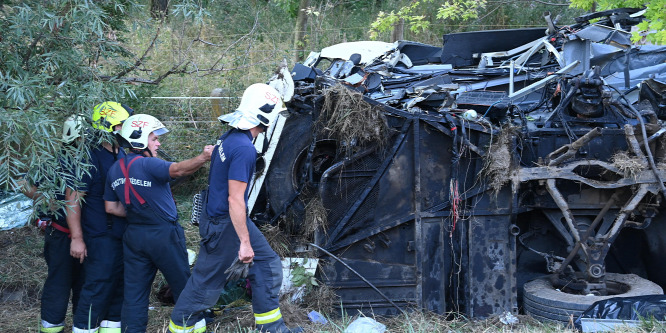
column 369, row 50
column 459, row 48
column 429, row 218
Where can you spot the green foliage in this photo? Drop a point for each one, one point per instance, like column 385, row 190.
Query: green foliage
column 56, row 58
column 386, row 21
column 301, row 277
column 452, row 10
column 462, row 10
column 427, row 20
column 191, row 11
column 290, row 6
column 653, row 28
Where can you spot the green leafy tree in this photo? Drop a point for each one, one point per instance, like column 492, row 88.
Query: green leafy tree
column 415, row 13
column 654, row 25
column 461, row 10
column 57, row 58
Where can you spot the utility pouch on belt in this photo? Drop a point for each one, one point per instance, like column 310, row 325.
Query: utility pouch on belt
column 199, row 207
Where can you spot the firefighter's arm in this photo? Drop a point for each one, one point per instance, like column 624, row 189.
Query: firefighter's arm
column 30, row 191
column 115, row 208
column 77, row 248
column 188, row 167
column 237, row 212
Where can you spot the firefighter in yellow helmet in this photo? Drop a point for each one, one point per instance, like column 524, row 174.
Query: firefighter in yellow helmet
column 96, row 237
column 229, row 238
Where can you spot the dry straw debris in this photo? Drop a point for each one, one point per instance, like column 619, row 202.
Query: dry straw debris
column 350, row 119
column 629, row 165
column 497, row 168
column 315, row 217
column 277, row 239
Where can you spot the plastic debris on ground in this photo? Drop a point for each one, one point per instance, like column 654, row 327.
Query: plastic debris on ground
column 613, row 313
column 317, row 318
column 288, row 264
column 365, row 325
column 191, row 257
column 15, row 210
column 507, row 318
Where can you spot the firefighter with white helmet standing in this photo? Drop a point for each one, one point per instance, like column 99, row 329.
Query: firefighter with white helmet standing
column 138, row 187
column 64, row 272
column 229, row 237
column 95, row 235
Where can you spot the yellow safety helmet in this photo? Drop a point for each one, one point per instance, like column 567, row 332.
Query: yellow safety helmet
column 109, row 114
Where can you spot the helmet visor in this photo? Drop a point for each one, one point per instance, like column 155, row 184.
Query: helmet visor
column 240, row 120
column 161, row 131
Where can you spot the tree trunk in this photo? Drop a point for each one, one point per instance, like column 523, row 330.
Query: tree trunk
column 159, row 8
column 398, row 31
column 301, row 22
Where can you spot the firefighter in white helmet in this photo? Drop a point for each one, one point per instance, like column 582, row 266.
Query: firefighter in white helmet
column 64, row 276
column 227, row 234
column 138, row 187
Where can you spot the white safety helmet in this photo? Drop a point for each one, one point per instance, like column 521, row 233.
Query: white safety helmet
column 138, row 127
column 72, row 128
column 259, row 106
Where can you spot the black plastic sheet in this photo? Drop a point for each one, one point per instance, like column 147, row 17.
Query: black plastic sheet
column 626, row 308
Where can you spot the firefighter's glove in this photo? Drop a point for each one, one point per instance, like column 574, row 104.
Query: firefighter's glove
column 238, row 270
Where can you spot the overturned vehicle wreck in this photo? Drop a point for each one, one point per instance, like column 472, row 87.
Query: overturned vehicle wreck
column 491, row 174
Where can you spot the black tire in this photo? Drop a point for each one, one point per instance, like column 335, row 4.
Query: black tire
column 285, row 172
column 280, row 181
column 543, row 301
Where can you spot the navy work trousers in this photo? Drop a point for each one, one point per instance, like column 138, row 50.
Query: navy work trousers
column 149, row 247
column 218, row 248
column 102, row 293
column 64, row 277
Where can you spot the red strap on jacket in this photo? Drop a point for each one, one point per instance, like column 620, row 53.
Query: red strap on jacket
column 128, row 185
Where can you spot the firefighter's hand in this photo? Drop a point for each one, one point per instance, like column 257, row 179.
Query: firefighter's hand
column 246, row 254
column 207, row 151
column 77, row 249
column 238, row 270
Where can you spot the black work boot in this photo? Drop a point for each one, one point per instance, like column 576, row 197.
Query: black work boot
column 278, row 326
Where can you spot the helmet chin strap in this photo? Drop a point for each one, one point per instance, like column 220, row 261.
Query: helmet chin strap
column 141, row 151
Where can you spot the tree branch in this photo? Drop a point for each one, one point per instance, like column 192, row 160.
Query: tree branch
column 145, row 53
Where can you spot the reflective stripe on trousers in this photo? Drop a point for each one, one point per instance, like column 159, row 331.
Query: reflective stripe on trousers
column 46, row 327
column 267, row 317
column 198, row 327
column 102, row 293
column 108, row 326
column 218, row 249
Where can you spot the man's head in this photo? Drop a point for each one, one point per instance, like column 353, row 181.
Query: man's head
column 141, row 133
column 259, row 106
column 109, row 116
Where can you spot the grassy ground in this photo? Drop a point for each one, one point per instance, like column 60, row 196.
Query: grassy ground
column 23, row 270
